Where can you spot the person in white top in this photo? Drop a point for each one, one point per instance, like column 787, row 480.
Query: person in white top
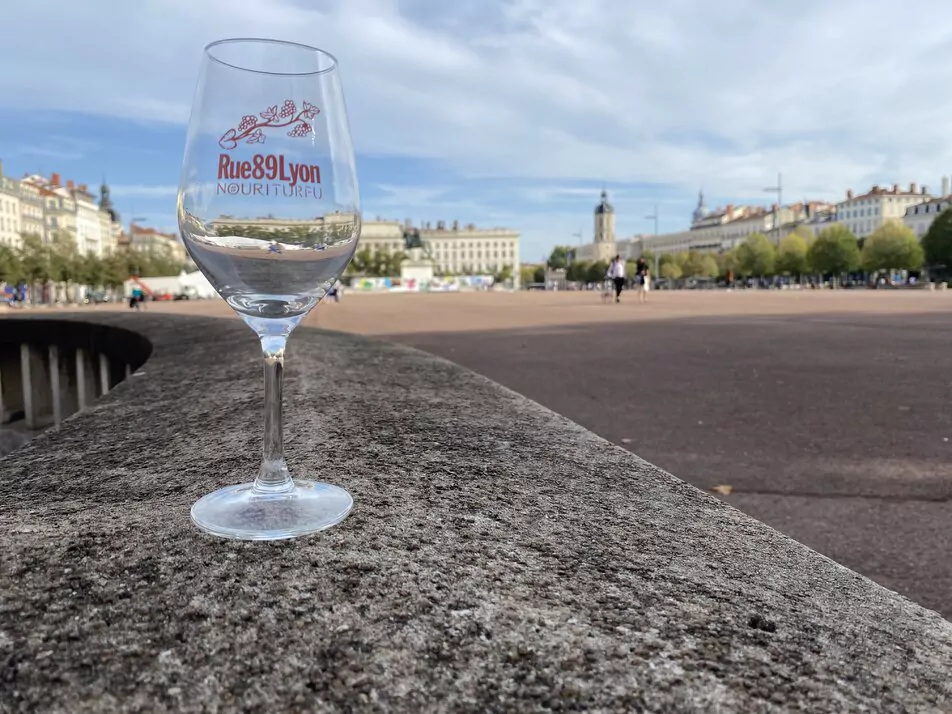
column 616, row 273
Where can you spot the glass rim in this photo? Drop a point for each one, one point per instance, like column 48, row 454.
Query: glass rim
column 267, row 40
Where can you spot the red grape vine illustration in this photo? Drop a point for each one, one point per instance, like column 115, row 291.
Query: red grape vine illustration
column 250, row 130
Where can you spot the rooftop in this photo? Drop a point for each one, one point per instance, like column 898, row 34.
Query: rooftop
column 894, row 190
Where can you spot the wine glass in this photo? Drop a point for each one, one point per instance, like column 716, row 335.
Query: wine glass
column 268, row 208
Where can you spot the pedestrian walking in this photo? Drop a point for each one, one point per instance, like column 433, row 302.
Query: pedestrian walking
column 616, row 273
column 642, row 279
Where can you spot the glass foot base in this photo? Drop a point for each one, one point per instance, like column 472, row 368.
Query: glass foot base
column 240, row 512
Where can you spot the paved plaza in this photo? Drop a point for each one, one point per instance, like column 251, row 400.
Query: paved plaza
column 827, row 413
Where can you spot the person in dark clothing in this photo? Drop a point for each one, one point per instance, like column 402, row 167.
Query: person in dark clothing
column 616, row 272
column 641, row 279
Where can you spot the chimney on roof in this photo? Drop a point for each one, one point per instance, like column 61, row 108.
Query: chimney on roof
column 875, row 188
column 849, row 193
column 84, row 188
column 924, row 190
column 55, row 179
column 69, row 184
column 895, row 188
column 730, row 211
column 912, row 187
column 945, row 185
column 455, row 225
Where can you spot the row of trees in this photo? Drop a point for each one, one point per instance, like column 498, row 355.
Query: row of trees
column 835, row 251
column 61, row 261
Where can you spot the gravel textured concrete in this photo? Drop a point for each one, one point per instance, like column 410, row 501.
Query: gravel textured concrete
column 804, row 415
column 499, row 558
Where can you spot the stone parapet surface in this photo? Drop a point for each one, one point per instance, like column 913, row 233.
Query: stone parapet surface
column 499, row 558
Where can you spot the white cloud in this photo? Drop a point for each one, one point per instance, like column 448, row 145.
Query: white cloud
column 720, row 94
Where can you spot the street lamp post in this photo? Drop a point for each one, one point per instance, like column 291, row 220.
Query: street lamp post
column 778, row 189
column 654, row 217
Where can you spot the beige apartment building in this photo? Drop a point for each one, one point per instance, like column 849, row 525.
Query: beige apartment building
column 49, row 208
column 9, row 211
column 920, row 216
column 149, row 240
column 454, row 249
column 864, row 213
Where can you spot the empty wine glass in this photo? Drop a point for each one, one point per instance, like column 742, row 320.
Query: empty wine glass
column 269, row 211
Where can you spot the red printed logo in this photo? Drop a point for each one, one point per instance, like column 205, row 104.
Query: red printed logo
column 269, row 174
column 251, row 128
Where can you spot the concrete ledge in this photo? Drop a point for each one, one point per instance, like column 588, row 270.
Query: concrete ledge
column 499, row 558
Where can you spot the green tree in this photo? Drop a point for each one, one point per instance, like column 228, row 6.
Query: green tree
column 728, row 262
column 361, row 261
column 892, row 246
column 937, row 242
column 596, row 272
column 34, row 258
column 527, row 275
column 558, row 259
column 792, row 255
column 756, row 256
column 503, row 275
column 709, row 267
column 578, row 271
column 699, row 265
column 64, row 258
column 538, row 275
column 11, row 269
column 670, row 270
column 115, row 270
column 834, row 251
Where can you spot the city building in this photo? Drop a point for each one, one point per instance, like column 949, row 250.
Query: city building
column 865, row 213
column 919, row 216
column 32, row 210
column 149, row 240
column 455, row 249
column 9, row 211
column 50, row 209
column 711, row 231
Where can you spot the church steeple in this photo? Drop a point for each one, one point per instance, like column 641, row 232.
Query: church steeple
column 105, row 203
column 701, row 211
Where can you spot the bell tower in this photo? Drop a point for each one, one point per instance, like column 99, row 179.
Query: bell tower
column 604, row 221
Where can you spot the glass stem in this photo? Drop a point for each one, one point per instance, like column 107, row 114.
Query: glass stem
column 273, row 477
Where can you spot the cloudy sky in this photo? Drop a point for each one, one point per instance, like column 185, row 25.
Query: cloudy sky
column 509, row 112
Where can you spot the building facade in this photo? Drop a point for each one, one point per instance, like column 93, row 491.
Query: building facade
column 9, row 211
column 919, row 216
column 865, row 213
column 455, row 249
column 50, row 210
column 149, row 240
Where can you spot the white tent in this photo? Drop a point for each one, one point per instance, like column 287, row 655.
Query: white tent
column 197, row 285
column 194, row 285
